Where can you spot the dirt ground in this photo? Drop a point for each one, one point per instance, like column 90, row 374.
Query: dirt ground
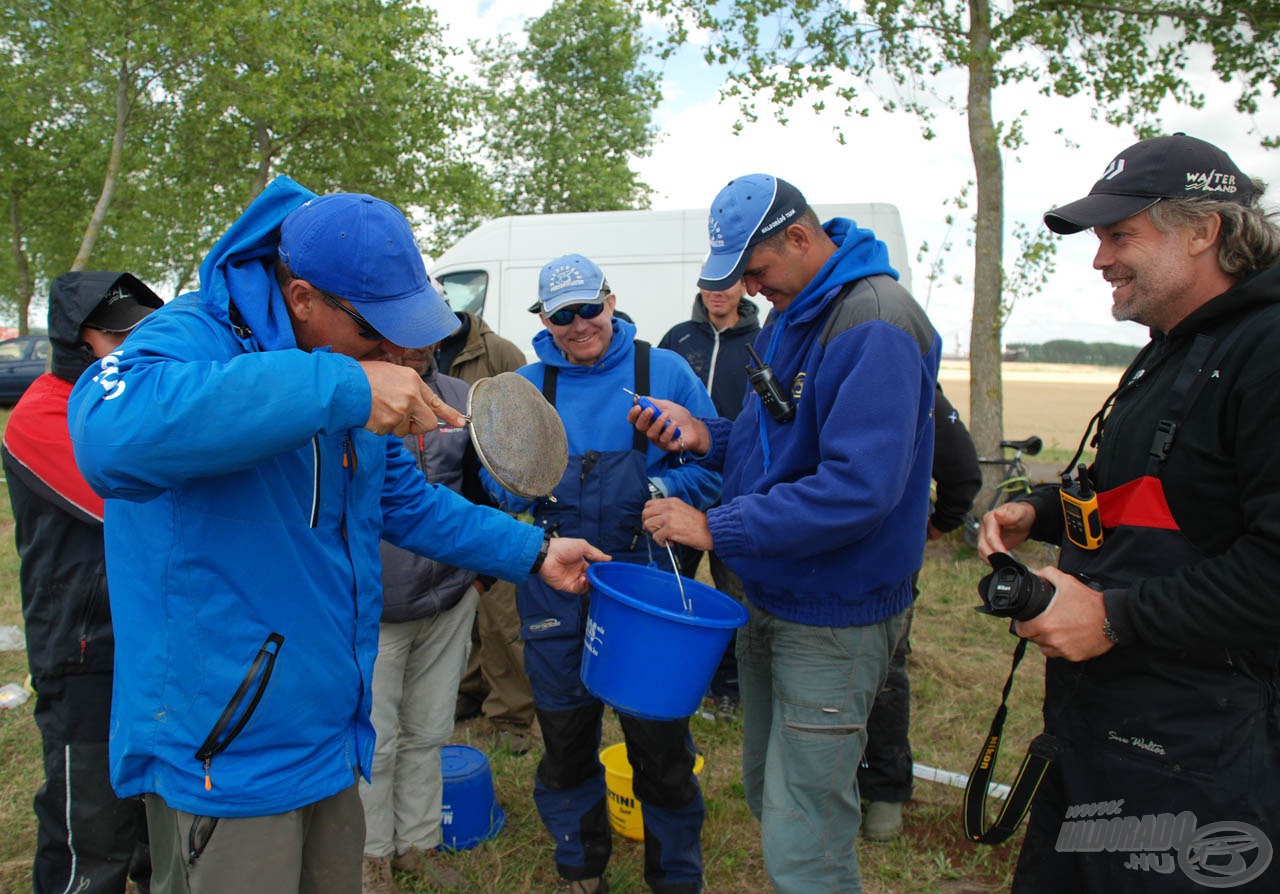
column 1054, row 401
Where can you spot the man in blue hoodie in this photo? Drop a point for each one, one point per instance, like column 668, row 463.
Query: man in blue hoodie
column 586, row 358
column 239, row 440
column 826, row 494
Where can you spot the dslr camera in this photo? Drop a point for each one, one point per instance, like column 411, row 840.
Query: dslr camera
column 1012, row 590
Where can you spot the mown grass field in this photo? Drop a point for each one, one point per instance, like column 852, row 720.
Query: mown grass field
column 959, row 662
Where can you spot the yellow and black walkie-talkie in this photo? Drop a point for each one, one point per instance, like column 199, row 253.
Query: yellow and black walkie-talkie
column 1080, row 510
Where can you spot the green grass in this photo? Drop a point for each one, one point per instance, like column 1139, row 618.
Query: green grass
column 959, row 663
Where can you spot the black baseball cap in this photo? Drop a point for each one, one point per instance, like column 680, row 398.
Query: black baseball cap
column 123, row 306
column 1171, row 167
column 746, row 212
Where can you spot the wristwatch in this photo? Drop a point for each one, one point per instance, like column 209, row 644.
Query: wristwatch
column 1108, row 631
column 542, row 554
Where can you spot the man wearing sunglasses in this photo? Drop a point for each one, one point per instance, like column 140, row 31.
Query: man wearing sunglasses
column 238, row 440
column 586, row 358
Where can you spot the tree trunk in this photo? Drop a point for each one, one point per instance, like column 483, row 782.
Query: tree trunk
column 265, row 154
column 986, row 400
column 22, row 265
column 115, row 163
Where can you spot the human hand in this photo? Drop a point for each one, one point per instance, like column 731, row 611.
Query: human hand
column 660, row 429
column 1071, row 626
column 565, row 567
column 674, row 519
column 402, row 403
column 1005, row 527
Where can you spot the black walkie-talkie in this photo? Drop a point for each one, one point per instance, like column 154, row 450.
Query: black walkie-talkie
column 765, row 384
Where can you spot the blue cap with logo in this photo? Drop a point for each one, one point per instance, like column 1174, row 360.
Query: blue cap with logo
column 569, row 279
column 362, row 249
column 746, row 212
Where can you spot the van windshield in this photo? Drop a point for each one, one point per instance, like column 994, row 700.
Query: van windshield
column 465, row 290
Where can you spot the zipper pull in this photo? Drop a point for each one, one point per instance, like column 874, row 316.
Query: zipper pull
column 84, row 644
column 208, row 783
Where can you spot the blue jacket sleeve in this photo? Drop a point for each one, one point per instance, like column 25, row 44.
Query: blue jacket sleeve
column 179, row 401
column 435, row 522
column 869, row 390
column 694, row 483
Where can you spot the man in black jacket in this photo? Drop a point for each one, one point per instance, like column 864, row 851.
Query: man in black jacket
column 86, row 837
column 1162, row 640
column 715, row 344
column 885, row 777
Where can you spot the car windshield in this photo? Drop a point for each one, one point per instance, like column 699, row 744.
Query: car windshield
column 14, row 349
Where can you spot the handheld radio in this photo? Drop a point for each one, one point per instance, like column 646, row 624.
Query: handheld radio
column 765, row 384
column 1080, row 510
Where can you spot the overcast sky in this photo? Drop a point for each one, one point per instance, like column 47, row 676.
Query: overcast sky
column 886, row 160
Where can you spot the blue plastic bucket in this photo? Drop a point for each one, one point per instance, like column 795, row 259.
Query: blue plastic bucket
column 642, row 654
column 469, row 810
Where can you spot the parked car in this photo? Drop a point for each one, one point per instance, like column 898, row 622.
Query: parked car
column 22, row 361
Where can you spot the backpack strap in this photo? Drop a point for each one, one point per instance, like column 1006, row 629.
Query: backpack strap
column 638, row 440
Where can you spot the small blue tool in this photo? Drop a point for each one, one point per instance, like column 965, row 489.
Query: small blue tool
column 646, row 404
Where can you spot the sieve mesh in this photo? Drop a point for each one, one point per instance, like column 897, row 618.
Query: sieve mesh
column 517, row 434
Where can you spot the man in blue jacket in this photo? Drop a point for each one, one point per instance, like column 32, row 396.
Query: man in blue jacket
column 586, row 357
column 826, row 493
column 239, row 438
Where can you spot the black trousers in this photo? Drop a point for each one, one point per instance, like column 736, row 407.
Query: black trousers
column 887, row 761
column 87, row 840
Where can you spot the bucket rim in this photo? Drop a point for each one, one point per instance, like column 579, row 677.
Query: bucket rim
column 604, row 588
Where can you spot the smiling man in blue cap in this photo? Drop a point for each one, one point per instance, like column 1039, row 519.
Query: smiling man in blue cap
column 826, row 493
column 238, row 438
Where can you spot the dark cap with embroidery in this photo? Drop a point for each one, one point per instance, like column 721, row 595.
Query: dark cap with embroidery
column 1172, row 167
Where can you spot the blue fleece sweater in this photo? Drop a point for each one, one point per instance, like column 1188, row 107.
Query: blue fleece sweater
column 824, row 516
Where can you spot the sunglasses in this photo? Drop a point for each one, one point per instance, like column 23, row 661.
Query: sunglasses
column 366, row 328
column 564, row 316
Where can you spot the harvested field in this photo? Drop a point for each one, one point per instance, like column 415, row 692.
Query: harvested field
column 1052, row 400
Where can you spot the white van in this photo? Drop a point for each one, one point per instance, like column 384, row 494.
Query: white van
column 650, row 258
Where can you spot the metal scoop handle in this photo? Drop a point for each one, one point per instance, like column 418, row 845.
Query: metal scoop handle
column 684, row 600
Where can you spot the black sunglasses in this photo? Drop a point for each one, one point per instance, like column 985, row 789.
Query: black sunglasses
column 564, row 316
column 366, row 328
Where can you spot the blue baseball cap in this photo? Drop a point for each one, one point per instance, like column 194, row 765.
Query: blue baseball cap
column 362, row 249
column 746, row 212
column 569, row 279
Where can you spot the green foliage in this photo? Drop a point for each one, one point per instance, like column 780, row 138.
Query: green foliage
column 1064, row 350
column 206, row 102
column 565, row 114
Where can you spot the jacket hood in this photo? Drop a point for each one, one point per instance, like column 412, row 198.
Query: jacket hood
column 748, row 314
column 242, row 263
column 858, row 254
column 1258, row 288
column 72, row 297
column 624, row 334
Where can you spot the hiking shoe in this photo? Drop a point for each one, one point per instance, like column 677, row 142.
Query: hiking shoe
column 515, row 740
column 883, row 820
column 597, row 885
column 431, row 865
column 375, row 876
column 728, row 709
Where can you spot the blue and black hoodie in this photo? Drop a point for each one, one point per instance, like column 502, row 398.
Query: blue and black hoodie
column 824, row 516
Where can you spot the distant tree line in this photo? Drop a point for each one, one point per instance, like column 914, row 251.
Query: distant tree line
column 1065, row 350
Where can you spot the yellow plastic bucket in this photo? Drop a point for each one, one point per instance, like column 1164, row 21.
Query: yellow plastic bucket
column 624, row 809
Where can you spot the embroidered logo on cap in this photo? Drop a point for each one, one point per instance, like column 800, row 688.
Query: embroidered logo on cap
column 564, row 277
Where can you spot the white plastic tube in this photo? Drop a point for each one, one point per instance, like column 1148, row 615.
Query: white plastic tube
column 959, row 780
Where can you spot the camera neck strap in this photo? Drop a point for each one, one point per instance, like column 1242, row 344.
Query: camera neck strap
column 1040, row 754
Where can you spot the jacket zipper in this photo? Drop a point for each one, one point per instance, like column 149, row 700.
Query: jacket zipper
column 85, row 618
column 260, row 670
column 715, row 352
column 315, row 486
